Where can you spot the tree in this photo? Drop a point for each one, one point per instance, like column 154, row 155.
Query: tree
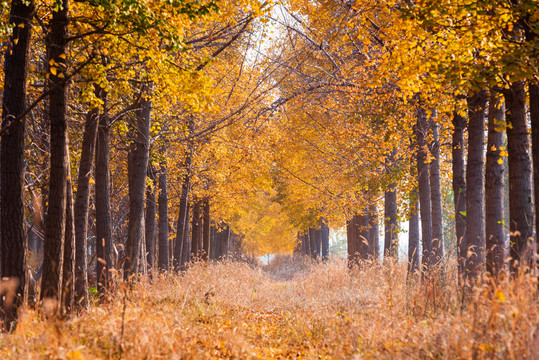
column 494, row 186
column 475, row 219
column 82, row 200
column 12, row 221
column 164, row 250
column 459, row 189
column 139, row 153
column 53, row 260
column 520, row 204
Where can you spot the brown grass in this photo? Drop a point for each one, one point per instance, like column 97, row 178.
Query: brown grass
column 291, row 309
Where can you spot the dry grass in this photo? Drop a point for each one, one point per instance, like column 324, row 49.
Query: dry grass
column 291, row 309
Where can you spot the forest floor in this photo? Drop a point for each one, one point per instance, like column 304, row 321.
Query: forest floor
column 291, row 309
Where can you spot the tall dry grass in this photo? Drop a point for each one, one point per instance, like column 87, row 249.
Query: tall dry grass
column 291, row 309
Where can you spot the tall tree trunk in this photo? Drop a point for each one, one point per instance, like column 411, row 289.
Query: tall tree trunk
column 51, row 282
column 186, row 241
column 307, row 242
column 195, row 230
column 312, row 240
column 520, row 199
column 363, row 234
column 391, row 224
column 206, row 224
column 12, row 221
column 494, row 186
column 150, row 218
column 459, row 190
column 475, row 219
column 534, row 116
column 374, row 235
column 413, row 240
column 324, row 234
column 423, row 185
column 436, row 198
column 103, row 217
column 138, row 165
column 68, row 271
column 183, row 213
column 164, row 254
column 82, row 201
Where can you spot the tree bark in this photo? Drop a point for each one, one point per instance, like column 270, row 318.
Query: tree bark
column 374, row 236
column 103, row 217
column 459, row 189
column 423, row 184
column 164, row 253
column 391, row 224
column 363, row 235
column 150, row 218
column 534, row 117
column 413, row 240
column 137, row 169
column 494, row 186
column 195, row 230
column 206, row 225
column 12, row 221
column 82, row 201
column 68, row 271
column 324, row 234
column 186, row 241
column 51, row 282
column 475, row 219
column 436, row 198
column 520, row 199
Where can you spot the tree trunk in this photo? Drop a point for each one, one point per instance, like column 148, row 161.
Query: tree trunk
column 374, row 236
column 206, row 224
column 12, row 222
column 195, row 230
column 391, row 224
column 68, row 271
column 534, row 116
column 475, row 219
column 520, row 199
column 137, row 169
column 186, row 241
column 307, row 242
column 164, row 253
column 103, row 217
column 494, row 186
column 413, row 240
column 459, row 190
column 150, row 218
column 363, row 235
column 312, row 241
column 423, row 184
column 53, row 258
column 324, row 234
column 436, row 198
column 82, row 201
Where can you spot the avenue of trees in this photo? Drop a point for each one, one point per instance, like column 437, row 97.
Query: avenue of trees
column 139, row 135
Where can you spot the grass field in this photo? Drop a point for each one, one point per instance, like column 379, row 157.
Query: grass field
column 291, row 309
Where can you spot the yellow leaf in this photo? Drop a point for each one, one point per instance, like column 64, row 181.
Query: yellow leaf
column 15, row 41
column 91, row 181
column 62, row 56
column 500, row 161
column 21, row 25
column 61, row 75
column 500, row 296
column 53, row 71
column 74, row 355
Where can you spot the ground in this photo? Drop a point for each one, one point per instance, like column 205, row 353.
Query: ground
column 291, row 309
